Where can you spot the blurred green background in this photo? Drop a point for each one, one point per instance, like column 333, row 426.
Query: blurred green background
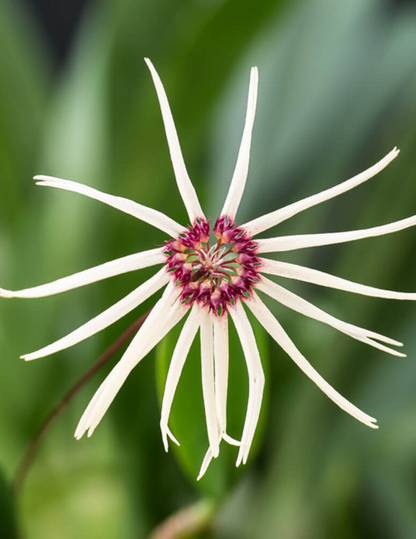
column 337, row 92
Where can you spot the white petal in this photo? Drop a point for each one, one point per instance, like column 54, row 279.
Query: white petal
column 92, row 275
column 208, row 388
column 308, row 275
column 135, row 354
column 230, row 440
column 221, row 363
column 185, row 186
column 106, row 318
column 148, row 215
column 179, row 356
column 238, row 181
column 205, row 463
column 300, row 305
column 163, row 317
column 272, row 326
column 255, row 378
column 208, row 455
column 274, row 218
column 291, row 243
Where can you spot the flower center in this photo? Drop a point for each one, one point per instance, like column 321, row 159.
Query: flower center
column 213, row 275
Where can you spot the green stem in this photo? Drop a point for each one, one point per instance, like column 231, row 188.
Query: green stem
column 187, row 522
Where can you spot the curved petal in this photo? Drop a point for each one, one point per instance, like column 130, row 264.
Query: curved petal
column 308, row 275
column 276, row 217
column 98, row 273
column 205, row 463
column 185, row 186
column 208, row 455
column 208, row 387
column 179, row 356
column 238, row 181
column 291, row 243
column 255, row 377
column 272, row 326
column 106, row 318
column 221, row 363
column 300, row 305
column 148, row 215
column 164, row 316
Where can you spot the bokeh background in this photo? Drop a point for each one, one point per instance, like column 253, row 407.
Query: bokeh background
column 337, row 92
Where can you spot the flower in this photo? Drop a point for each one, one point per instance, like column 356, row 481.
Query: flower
column 207, row 284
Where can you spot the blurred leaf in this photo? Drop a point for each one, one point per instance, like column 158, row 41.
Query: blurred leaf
column 24, row 70
column 24, row 88
column 187, row 418
column 8, row 529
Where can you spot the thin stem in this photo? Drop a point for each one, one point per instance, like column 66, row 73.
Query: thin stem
column 33, row 446
column 187, row 522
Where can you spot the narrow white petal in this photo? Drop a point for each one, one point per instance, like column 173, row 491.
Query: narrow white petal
column 205, row 463
column 274, row 218
column 255, row 378
column 208, row 455
column 98, row 273
column 208, row 387
column 106, row 318
column 221, row 362
column 230, row 441
column 136, row 354
column 238, row 181
column 300, row 305
column 163, row 317
column 141, row 341
column 179, row 356
column 291, row 243
column 185, row 186
column 308, row 275
column 272, row 326
column 148, row 215
column 171, row 436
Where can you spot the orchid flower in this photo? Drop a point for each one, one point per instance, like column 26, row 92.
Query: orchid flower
column 207, row 283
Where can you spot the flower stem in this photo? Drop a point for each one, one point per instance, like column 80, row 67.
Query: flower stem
column 187, row 522
column 34, row 444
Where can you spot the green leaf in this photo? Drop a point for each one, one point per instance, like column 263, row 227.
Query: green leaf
column 187, row 418
column 8, row 529
column 23, row 90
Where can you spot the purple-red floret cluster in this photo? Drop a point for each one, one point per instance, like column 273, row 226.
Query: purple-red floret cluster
column 205, row 275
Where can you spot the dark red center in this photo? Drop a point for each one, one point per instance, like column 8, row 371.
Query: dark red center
column 213, row 275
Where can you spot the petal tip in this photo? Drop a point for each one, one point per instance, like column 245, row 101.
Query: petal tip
column 6, row 293
column 165, row 440
column 239, row 457
column 149, row 63
column 394, row 153
column 45, row 178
